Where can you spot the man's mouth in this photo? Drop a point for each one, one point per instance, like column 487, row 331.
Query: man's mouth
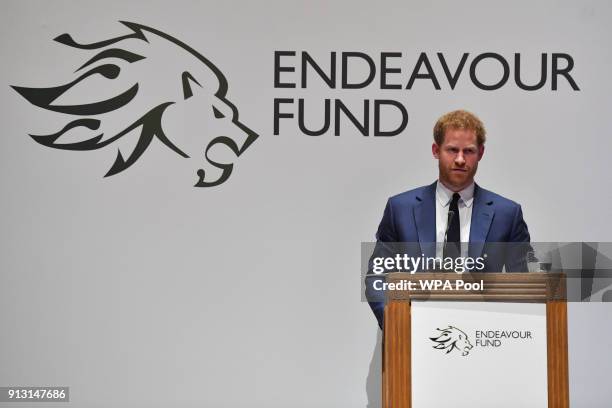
column 460, row 170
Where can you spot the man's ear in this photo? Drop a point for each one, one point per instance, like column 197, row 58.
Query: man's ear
column 481, row 150
column 435, row 150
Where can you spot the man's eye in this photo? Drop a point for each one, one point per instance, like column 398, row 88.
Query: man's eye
column 218, row 113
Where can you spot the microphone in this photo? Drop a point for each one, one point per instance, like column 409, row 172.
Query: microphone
column 451, row 214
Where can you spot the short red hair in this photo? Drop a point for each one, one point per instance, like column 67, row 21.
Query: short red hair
column 459, row 119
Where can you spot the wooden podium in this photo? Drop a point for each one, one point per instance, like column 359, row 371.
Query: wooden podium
column 549, row 288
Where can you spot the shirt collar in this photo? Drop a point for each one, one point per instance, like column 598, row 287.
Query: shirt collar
column 444, row 195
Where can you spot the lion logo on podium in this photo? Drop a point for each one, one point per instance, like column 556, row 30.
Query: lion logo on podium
column 127, row 86
column 452, row 338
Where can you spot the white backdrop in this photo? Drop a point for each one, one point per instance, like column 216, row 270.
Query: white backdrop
column 141, row 290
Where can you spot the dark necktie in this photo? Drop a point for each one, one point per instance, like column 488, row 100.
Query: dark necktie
column 453, row 234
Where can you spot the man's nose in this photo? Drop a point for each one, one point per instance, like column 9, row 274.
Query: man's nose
column 459, row 159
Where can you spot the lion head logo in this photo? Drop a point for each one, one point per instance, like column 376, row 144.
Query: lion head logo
column 452, row 338
column 125, row 88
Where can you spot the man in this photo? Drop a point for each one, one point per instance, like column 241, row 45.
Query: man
column 454, row 209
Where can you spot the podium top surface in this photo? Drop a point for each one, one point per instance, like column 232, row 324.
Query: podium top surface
column 502, row 287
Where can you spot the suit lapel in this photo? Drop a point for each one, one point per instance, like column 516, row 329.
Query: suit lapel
column 482, row 216
column 425, row 220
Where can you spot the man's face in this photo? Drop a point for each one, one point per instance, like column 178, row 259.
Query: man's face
column 458, row 158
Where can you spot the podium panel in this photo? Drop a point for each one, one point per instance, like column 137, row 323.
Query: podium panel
column 531, row 296
column 468, row 354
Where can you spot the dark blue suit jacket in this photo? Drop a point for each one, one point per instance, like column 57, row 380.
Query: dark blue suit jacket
column 411, row 217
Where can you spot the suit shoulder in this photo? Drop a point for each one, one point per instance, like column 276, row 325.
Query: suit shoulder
column 498, row 200
column 409, row 196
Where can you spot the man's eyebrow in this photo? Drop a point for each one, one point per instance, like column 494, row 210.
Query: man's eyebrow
column 452, row 146
column 113, row 53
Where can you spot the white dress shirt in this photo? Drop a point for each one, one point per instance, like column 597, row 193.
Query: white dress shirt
column 443, row 199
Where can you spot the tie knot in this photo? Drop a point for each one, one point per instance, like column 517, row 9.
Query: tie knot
column 455, row 199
